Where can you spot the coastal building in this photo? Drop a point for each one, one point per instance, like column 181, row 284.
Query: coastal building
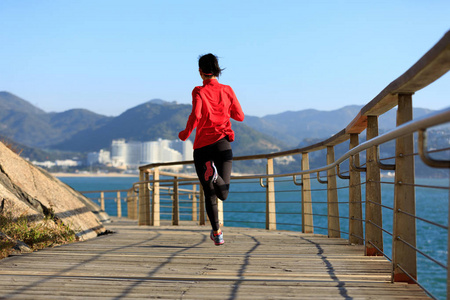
column 133, row 154
column 103, row 157
column 118, row 153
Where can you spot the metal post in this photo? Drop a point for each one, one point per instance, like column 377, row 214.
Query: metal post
column 271, row 218
column 355, row 206
column 332, row 198
column 307, row 217
column 404, row 199
column 374, row 235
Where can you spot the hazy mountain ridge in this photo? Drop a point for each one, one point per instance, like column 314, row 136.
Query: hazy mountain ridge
column 82, row 130
column 292, row 127
column 26, row 124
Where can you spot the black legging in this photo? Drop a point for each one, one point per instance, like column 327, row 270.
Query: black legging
column 221, row 154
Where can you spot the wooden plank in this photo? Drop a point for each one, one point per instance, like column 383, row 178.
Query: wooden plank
column 174, row 262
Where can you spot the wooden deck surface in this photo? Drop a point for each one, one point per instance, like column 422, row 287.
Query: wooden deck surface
column 182, row 263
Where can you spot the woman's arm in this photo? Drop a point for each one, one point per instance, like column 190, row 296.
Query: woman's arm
column 195, row 115
column 236, row 112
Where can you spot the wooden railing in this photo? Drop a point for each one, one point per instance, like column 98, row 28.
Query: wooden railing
column 365, row 216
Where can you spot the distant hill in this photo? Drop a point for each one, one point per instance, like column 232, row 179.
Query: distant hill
column 153, row 120
column 31, row 126
column 81, row 130
column 292, row 127
column 11, row 102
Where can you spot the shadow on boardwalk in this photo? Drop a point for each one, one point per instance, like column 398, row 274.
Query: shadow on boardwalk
column 182, row 263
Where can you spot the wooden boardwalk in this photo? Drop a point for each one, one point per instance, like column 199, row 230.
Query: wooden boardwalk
column 182, row 263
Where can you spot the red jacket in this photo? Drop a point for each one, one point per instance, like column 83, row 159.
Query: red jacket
column 213, row 104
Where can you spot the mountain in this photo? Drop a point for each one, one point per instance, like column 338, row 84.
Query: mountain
column 292, row 127
column 9, row 101
column 31, row 126
column 153, row 120
column 81, row 130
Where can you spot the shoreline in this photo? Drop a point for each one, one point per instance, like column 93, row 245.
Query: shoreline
column 60, row 174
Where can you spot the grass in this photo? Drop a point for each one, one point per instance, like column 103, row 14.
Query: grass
column 35, row 235
column 11, row 146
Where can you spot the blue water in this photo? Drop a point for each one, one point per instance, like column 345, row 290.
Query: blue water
column 245, row 207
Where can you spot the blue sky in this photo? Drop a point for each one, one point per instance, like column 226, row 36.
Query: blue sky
column 109, row 56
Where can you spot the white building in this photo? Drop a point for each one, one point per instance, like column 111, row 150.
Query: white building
column 185, row 148
column 118, row 153
column 150, row 153
column 133, row 154
column 102, row 157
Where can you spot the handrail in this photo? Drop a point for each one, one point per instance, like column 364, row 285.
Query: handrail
column 433, row 119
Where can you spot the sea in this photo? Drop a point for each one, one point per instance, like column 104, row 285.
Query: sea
column 245, row 207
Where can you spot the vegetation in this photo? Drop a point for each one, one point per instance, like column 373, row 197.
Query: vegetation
column 12, row 146
column 37, row 235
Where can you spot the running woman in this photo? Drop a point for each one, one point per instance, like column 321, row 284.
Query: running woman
column 213, row 104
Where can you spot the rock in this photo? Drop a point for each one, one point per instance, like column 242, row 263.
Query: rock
column 29, row 190
column 18, row 246
column 22, row 247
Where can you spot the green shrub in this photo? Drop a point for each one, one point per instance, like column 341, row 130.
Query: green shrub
column 35, row 235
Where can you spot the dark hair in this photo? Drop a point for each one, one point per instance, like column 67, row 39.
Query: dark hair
column 209, row 64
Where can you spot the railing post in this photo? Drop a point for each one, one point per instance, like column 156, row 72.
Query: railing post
column 307, row 217
column 156, row 198
column 194, row 202
column 102, row 201
column 201, row 206
column 131, row 204
column 355, row 208
column 332, row 198
column 404, row 199
column 144, row 201
column 134, row 205
column 175, row 203
column 374, row 235
column 220, row 211
column 271, row 218
column 119, row 205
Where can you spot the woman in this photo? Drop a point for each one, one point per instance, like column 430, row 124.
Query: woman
column 213, row 104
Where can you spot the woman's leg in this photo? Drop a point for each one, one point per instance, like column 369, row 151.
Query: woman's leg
column 201, row 157
column 223, row 160
column 221, row 155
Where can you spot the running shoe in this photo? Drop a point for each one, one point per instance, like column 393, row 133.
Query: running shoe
column 211, row 171
column 217, row 238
